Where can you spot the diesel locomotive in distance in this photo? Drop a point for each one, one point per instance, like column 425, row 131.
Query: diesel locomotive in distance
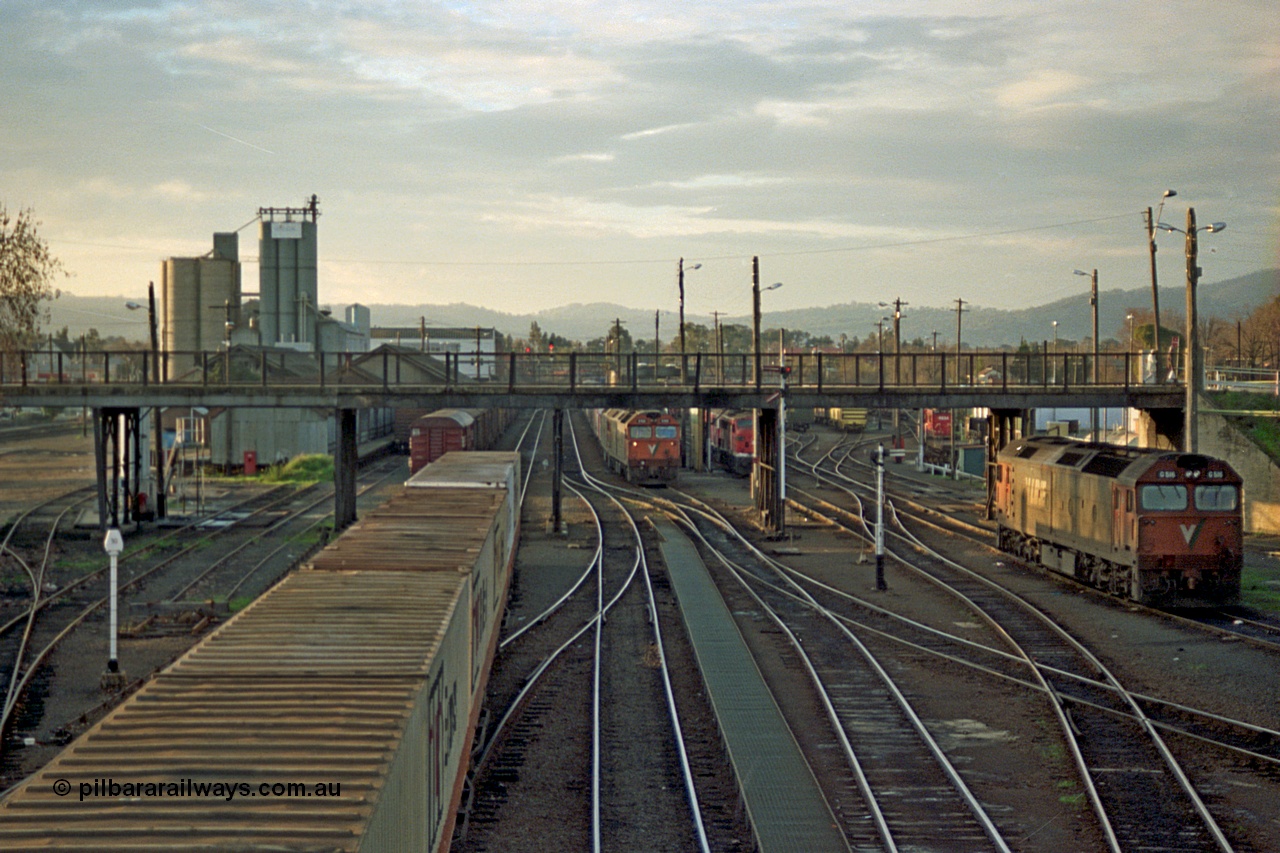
column 733, row 445
column 1155, row 526
column 643, row 446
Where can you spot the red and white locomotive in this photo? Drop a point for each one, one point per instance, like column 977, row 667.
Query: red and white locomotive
column 732, row 434
column 643, row 446
column 1156, row 526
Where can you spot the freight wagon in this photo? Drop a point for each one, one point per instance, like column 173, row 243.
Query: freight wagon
column 446, row 430
column 1155, row 526
column 334, row 713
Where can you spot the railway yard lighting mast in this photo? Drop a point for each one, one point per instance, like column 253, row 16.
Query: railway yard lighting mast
column 1155, row 289
column 1190, row 436
column 680, row 282
column 1093, row 303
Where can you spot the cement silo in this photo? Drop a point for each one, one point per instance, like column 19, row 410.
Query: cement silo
column 287, row 288
column 198, row 296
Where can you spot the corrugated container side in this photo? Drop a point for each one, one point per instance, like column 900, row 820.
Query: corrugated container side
column 417, row 807
column 316, row 682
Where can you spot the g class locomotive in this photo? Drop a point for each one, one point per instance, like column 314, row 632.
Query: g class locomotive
column 1156, row 526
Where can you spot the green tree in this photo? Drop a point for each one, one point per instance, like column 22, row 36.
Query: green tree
column 27, row 272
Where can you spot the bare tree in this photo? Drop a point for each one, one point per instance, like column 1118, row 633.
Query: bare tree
column 27, row 272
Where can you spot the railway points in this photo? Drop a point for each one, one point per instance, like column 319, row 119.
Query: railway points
column 964, row 708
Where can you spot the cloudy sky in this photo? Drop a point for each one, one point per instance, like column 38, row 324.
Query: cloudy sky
column 523, row 155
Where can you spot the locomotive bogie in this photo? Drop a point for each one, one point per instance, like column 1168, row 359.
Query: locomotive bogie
column 1153, row 526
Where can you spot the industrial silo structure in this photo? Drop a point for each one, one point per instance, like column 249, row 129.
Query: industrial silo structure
column 199, row 297
column 288, row 311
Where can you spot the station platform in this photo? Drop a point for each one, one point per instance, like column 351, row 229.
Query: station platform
column 786, row 807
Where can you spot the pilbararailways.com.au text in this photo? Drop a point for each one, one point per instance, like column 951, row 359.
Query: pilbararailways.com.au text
column 109, row 788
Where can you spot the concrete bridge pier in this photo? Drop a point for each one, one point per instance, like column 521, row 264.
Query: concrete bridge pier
column 345, row 462
column 766, row 485
column 117, row 451
column 1003, row 426
column 557, row 474
column 1162, row 428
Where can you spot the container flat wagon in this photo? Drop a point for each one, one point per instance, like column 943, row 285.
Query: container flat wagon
column 334, row 713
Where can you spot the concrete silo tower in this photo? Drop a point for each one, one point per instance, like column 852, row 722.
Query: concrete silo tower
column 288, row 313
column 199, row 296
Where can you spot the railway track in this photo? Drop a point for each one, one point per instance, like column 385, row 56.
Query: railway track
column 1143, row 793
column 610, row 773
column 898, row 789
column 157, row 566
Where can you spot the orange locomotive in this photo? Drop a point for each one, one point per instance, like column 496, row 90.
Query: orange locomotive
column 1156, row 526
column 733, row 440
column 642, row 446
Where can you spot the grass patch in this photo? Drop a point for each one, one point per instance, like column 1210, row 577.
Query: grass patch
column 311, row 468
column 1256, row 592
column 239, row 603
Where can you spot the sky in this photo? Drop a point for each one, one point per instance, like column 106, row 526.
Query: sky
column 527, row 155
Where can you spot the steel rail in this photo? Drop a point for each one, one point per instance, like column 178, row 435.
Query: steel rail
column 900, row 699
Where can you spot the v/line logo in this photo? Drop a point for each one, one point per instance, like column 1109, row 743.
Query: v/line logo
column 1191, row 532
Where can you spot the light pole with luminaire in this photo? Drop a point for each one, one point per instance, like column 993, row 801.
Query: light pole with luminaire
column 1093, row 302
column 680, row 281
column 1192, row 360
column 1155, row 289
column 113, row 544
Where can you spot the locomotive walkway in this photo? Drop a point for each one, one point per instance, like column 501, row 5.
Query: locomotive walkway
column 787, row 809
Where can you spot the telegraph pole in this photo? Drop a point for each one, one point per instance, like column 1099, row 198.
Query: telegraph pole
column 157, row 421
column 1191, row 441
column 755, row 314
column 1155, row 293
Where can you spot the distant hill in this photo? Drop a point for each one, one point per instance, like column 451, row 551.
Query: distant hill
column 981, row 326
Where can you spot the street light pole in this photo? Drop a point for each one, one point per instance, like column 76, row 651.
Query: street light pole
column 1155, row 288
column 680, row 280
column 1093, row 303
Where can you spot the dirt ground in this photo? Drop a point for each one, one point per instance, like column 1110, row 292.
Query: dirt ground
column 36, row 465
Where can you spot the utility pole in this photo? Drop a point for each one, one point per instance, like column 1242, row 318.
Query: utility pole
column 897, row 338
column 680, row 279
column 755, row 314
column 657, row 346
column 1152, row 222
column 960, row 309
column 157, row 422
column 1191, row 440
column 1155, row 291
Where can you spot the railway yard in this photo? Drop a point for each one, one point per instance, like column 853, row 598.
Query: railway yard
column 976, row 703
